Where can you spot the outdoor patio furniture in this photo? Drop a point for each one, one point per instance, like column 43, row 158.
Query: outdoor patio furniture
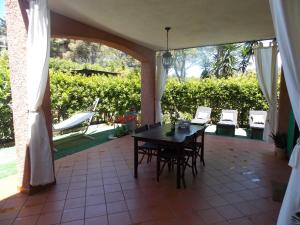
column 228, row 122
column 168, row 156
column 202, row 115
column 77, row 119
column 154, row 148
column 199, row 145
column 146, row 148
column 257, row 120
column 160, row 136
column 151, row 126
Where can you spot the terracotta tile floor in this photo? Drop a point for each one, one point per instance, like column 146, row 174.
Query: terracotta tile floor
column 96, row 187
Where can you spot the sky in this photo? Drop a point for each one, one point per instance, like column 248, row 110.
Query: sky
column 2, row 8
column 194, row 71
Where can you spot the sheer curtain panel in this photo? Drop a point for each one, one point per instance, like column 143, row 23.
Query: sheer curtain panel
column 266, row 71
column 161, row 78
column 38, row 49
column 286, row 19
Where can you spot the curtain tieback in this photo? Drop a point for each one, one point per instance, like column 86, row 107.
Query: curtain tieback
column 38, row 110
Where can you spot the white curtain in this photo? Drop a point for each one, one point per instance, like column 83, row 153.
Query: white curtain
column 161, row 78
column 266, row 71
column 38, row 49
column 286, row 17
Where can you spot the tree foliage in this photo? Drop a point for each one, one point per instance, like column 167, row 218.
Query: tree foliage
column 219, row 61
column 236, row 92
column 183, row 60
column 73, row 93
column 92, row 53
column 6, row 120
column 225, row 60
column 2, row 27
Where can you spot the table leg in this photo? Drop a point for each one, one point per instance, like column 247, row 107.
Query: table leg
column 202, row 149
column 178, row 176
column 136, row 158
column 158, row 165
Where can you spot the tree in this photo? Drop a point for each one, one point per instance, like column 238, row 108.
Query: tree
column 246, row 53
column 59, row 47
column 2, row 27
column 206, row 55
column 226, row 60
column 183, row 60
column 92, row 53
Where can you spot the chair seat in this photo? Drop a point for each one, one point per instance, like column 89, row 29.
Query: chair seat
column 193, row 145
column 257, row 126
column 200, row 121
column 226, row 123
column 149, row 146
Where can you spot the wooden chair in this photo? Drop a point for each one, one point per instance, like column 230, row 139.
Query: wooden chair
column 146, row 149
column 168, row 156
column 152, row 126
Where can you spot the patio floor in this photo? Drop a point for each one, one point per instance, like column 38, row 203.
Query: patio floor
column 96, row 186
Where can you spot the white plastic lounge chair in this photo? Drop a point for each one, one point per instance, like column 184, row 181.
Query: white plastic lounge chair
column 228, row 121
column 202, row 115
column 77, row 119
column 257, row 120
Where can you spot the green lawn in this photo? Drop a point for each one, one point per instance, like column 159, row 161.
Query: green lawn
column 65, row 146
column 8, row 169
column 73, row 144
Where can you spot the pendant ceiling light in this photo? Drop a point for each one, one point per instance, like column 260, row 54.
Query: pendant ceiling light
column 167, row 58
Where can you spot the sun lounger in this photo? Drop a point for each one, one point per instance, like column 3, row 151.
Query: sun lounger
column 228, row 121
column 202, row 115
column 257, row 120
column 77, row 119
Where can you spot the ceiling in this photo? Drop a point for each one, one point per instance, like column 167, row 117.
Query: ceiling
column 194, row 22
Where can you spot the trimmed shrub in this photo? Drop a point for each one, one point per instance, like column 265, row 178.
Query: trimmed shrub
column 6, row 119
column 238, row 92
column 71, row 93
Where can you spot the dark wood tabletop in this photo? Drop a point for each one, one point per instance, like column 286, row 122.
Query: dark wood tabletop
column 159, row 135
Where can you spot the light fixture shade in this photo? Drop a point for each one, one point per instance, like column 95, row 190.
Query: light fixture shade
column 167, row 60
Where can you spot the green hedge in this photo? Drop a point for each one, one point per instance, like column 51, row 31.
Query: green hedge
column 241, row 93
column 6, row 119
column 71, row 93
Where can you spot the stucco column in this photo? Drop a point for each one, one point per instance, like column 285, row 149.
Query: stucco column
column 16, row 20
column 148, row 91
column 16, row 40
column 284, row 106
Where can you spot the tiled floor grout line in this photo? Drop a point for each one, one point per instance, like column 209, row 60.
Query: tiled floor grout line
column 85, row 196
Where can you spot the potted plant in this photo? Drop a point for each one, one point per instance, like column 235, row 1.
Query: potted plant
column 280, row 141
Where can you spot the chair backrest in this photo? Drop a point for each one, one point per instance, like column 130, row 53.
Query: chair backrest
column 202, row 110
column 93, row 109
column 260, row 115
column 141, row 129
column 191, row 140
column 226, row 113
column 95, row 104
column 152, row 126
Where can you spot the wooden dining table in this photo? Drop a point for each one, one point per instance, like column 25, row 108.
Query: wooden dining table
column 161, row 136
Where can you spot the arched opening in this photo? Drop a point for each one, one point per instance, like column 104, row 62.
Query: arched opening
column 64, row 27
column 81, row 72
